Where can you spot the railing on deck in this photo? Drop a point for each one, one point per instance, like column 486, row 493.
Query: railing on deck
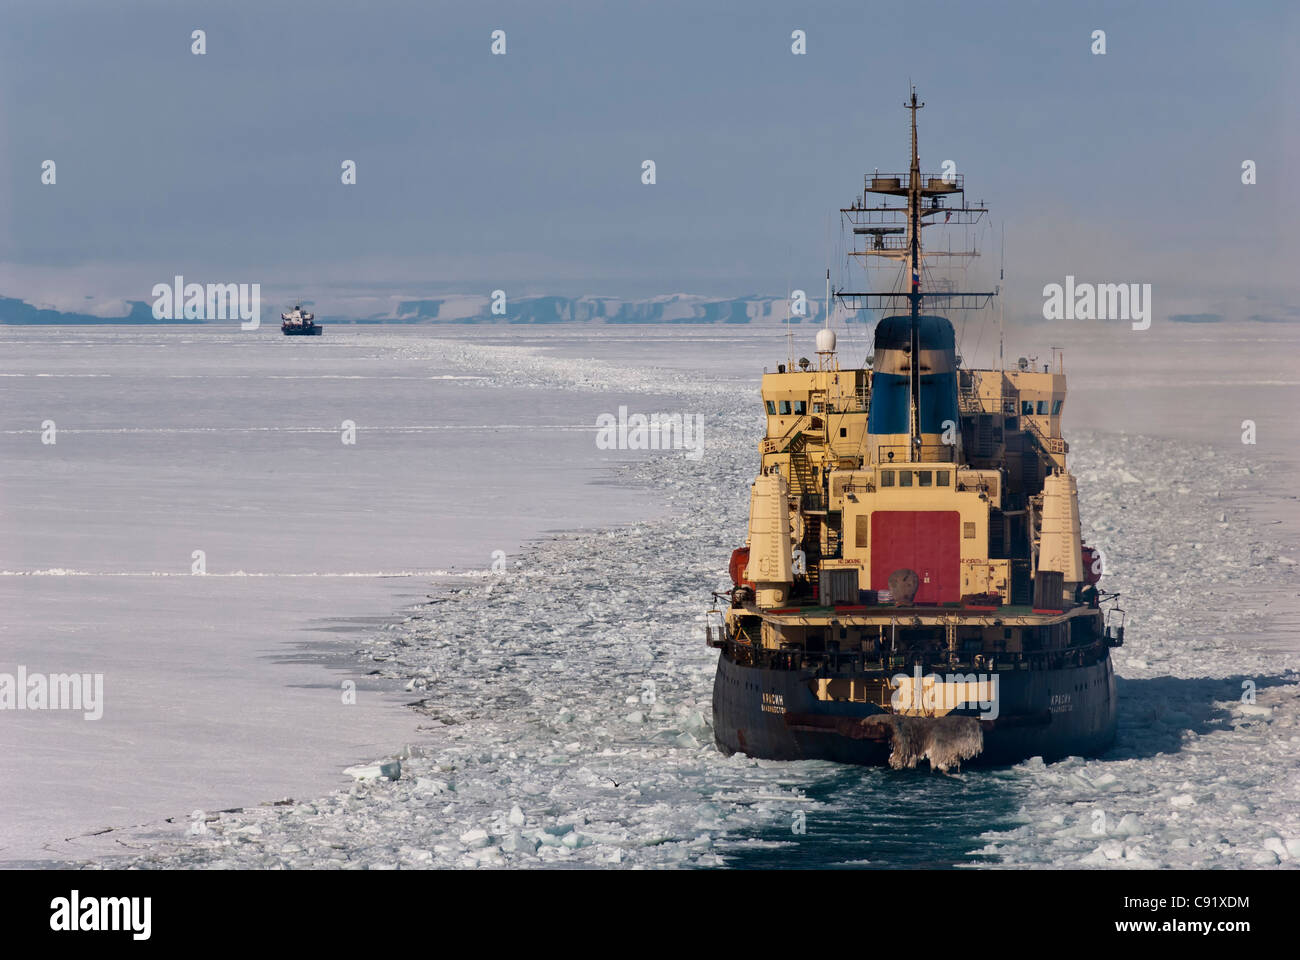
column 1053, row 445
column 833, row 663
column 930, row 453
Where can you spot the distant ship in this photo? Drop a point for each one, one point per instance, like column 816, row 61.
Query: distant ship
column 297, row 323
column 914, row 586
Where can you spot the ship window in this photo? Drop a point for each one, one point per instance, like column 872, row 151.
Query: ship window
column 771, row 409
column 904, row 478
column 1042, row 408
column 924, row 478
column 817, row 408
column 941, row 478
column 860, row 530
column 785, row 408
column 843, row 432
column 968, row 531
column 1056, row 407
column 886, row 478
column 801, row 407
column 1026, row 408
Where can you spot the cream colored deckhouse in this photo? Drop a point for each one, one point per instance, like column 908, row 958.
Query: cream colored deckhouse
column 913, row 520
column 987, row 483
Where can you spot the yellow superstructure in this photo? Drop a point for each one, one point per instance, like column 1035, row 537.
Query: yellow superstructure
column 1000, row 467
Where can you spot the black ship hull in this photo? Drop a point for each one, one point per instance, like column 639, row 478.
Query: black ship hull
column 312, row 331
column 774, row 714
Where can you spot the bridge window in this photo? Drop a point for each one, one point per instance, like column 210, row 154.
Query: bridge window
column 800, row 407
column 771, row 409
column 1026, row 408
column 1056, row 407
column 924, row 478
column 941, row 478
column 904, row 478
column 785, row 408
column 886, row 478
column 1042, row 408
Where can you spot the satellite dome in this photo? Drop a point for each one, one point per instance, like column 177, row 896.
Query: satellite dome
column 825, row 341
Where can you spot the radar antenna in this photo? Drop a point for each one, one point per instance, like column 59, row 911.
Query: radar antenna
column 885, row 241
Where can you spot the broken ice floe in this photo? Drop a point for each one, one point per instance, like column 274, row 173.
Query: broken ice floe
column 552, row 749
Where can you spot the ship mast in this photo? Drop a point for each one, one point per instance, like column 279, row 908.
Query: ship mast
column 894, row 233
column 914, row 296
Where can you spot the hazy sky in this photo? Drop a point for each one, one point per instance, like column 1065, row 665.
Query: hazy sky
column 523, row 171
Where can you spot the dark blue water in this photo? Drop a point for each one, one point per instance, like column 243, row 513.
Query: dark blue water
column 879, row 819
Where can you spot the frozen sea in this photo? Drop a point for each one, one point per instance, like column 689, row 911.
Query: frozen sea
column 516, row 701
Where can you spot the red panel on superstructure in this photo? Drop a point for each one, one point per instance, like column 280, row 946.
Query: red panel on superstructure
column 927, row 541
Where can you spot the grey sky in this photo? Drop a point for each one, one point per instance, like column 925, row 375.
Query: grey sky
column 523, row 171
